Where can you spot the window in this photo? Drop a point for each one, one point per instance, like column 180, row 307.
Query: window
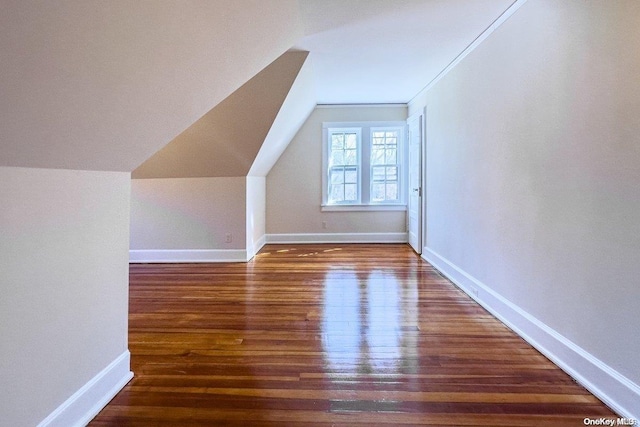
column 385, row 176
column 363, row 166
column 344, row 166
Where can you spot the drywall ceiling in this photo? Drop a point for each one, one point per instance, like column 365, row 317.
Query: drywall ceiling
column 296, row 108
column 102, row 85
column 386, row 51
column 226, row 140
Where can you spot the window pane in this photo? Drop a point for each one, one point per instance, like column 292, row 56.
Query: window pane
column 337, row 176
column 350, row 157
column 391, row 156
column 351, row 175
column 377, row 157
column 392, row 173
column 337, row 193
column 392, row 191
column 378, row 134
column 352, row 141
column 350, row 192
column 378, row 141
column 337, row 141
column 377, row 193
column 378, row 173
column 337, row 157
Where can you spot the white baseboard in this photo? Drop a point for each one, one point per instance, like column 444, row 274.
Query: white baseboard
column 337, row 238
column 260, row 243
column 187, row 255
column 256, row 247
column 87, row 402
column 618, row 392
column 242, row 255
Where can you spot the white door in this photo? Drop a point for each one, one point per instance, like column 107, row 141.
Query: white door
column 415, row 182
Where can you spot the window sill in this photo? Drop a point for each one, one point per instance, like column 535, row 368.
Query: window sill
column 356, row 208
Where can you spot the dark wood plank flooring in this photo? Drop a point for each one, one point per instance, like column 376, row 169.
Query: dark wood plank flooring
column 329, row 335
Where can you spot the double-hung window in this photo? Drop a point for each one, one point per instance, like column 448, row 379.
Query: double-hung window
column 344, row 166
column 385, row 167
column 363, row 166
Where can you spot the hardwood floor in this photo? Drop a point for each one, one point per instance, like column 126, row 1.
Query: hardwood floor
column 329, row 335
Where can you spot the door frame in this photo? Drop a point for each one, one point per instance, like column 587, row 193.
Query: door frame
column 421, row 116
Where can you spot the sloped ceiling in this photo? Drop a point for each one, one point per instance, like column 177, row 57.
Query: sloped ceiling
column 102, row 85
column 295, row 110
column 383, row 51
column 226, row 140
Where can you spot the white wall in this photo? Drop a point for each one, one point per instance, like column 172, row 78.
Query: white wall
column 294, row 184
column 64, row 285
column 188, row 219
column 256, row 214
column 533, row 172
column 187, row 214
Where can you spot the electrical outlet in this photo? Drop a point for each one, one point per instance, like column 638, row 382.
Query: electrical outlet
column 228, row 238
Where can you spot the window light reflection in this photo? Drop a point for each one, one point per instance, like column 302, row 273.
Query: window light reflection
column 363, row 319
column 341, row 323
column 383, row 331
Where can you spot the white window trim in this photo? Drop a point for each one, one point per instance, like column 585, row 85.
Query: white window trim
column 361, row 207
column 400, row 163
column 364, row 149
column 325, row 164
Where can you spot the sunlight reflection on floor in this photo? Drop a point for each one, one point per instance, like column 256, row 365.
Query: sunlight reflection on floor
column 363, row 323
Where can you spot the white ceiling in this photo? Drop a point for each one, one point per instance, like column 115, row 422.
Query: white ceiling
column 386, row 51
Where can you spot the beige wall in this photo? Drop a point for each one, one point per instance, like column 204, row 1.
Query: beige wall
column 64, row 285
column 188, row 213
column 195, row 214
column 294, row 184
column 533, row 171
